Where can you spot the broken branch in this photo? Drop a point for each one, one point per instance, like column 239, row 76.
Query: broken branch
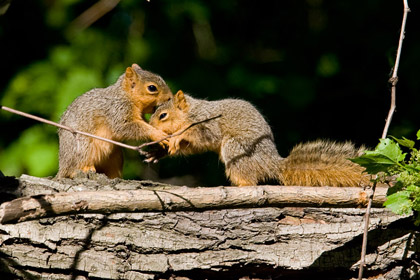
column 75, row 131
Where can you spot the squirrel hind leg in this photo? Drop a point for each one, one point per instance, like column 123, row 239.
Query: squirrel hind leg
column 244, row 172
column 71, row 172
column 85, row 170
column 250, row 164
column 112, row 166
column 106, row 158
column 89, row 168
column 242, row 182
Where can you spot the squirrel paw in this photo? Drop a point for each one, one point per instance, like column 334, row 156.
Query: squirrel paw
column 174, row 145
column 155, row 153
column 159, row 136
column 151, row 160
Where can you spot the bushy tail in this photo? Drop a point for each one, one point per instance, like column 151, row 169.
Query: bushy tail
column 323, row 163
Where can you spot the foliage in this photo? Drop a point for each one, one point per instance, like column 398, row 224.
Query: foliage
column 389, row 160
column 48, row 86
column 52, row 84
column 299, row 62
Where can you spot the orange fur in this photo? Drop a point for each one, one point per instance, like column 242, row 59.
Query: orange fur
column 323, row 163
column 103, row 157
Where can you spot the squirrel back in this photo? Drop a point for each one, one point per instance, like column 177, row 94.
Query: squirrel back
column 115, row 112
column 241, row 136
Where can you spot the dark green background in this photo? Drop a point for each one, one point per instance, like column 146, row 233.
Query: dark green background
column 315, row 69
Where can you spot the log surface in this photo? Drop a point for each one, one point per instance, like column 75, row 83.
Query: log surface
column 172, row 198
column 247, row 243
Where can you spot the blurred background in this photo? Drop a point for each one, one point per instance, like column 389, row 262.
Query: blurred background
column 314, row 68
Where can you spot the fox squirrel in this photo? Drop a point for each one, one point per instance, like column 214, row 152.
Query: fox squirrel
column 117, row 113
column 245, row 144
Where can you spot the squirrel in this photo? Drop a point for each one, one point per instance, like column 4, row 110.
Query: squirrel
column 115, row 112
column 245, row 144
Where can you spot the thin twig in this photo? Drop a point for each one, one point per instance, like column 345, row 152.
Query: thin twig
column 74, row 131
column 88, row 17
column 179, row 132
column 365, row 232
column 393, row 80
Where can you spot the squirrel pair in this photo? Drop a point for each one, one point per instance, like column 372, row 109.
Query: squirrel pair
column 239, row 134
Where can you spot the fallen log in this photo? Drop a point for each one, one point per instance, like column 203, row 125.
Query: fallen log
column 241, row 243
column 169, row 199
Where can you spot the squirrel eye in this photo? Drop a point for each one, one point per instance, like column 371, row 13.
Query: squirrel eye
column 152, row 88
column 163, row 115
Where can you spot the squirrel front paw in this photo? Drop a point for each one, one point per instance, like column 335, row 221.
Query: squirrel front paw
column 174, row 145
column 159, row 136
column 155, row 153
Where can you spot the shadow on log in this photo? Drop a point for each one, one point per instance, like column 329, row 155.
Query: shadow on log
column 263, row 242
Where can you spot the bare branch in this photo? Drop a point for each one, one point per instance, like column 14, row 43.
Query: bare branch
column 183, row 199
column 94, row 13
column 365, row 232
column 393, row 80
column 72, row 130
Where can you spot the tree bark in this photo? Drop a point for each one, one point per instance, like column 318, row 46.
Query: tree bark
column 247, row 243
column 172, row 198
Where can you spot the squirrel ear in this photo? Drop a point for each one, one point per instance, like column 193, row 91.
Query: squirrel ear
column 135, row 66
column 129, row 72
column 180, row 101
column 130, row 79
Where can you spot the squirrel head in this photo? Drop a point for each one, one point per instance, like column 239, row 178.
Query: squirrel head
column 172, row 115
column 147, row 90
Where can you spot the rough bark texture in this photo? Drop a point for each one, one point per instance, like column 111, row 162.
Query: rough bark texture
column 260, row 243
column 171, row 199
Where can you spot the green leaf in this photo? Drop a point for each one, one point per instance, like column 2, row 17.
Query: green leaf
column 415, row 196
column 418, row 135
column 398, row 186
column 399, row 202
column 390, row 149
column 404, row 142
column 374, row 162
column 387, row 154
column 414, row 189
